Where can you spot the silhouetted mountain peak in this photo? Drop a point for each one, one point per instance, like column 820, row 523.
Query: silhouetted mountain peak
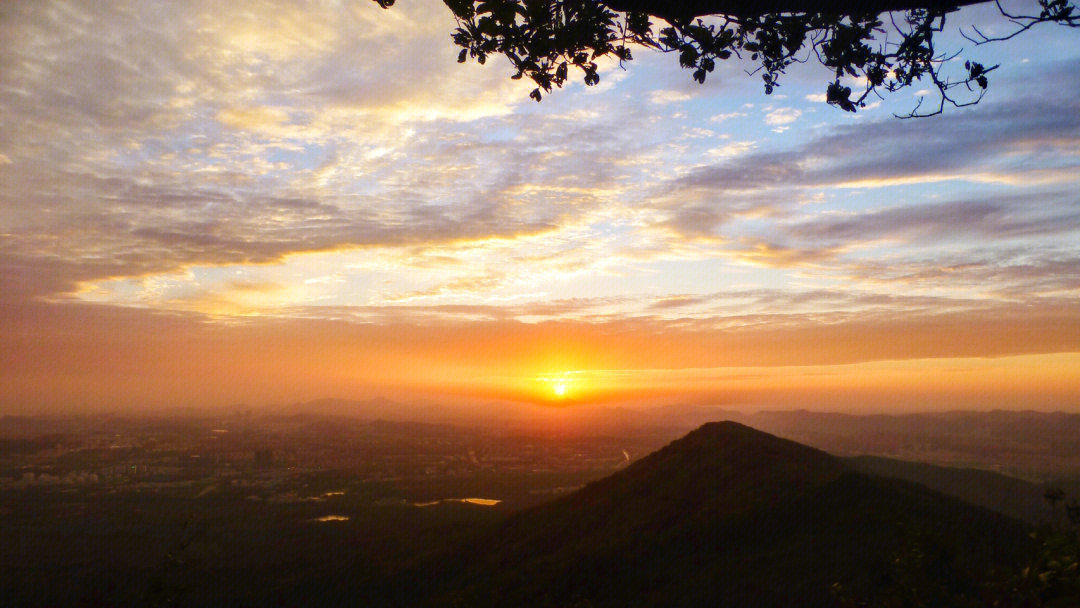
column 721, row 468
column 734, row 440
column 730, row 452
column 726, row 515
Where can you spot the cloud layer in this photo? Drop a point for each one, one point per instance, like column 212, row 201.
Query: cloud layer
column 306, row 163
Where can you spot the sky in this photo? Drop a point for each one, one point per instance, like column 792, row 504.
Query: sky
column 206, row 203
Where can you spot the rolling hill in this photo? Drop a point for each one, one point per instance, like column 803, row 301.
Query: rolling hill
column 1008, row 495
column 726, row 515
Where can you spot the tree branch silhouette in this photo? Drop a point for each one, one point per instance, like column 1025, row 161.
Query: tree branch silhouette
column 869, row 48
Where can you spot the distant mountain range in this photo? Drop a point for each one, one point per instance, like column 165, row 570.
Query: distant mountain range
column 726, row 516
column 1035, row 445
column 1030, row 424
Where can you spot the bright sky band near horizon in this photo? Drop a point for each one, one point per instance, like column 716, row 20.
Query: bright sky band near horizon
column 205, row 203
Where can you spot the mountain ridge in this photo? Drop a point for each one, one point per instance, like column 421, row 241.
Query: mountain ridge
column 726, row 515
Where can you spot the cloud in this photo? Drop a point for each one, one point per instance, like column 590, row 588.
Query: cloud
column 1001, row 217
column 767, row 254
column 241, row 137
column 664, row 97
column 726, row 116
column 782, row 116
column 1027, row 133
column 252, row 119
column 1027, row 143
column 150, row 151
column 1049, row 276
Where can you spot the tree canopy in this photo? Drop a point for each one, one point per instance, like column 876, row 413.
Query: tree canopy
column 869, row 48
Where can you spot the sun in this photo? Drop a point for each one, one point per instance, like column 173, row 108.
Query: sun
column 559, row 386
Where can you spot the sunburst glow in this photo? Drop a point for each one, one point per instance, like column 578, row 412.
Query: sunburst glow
column 559, row 386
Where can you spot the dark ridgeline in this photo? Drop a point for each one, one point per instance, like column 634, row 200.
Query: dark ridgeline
column 727, row 515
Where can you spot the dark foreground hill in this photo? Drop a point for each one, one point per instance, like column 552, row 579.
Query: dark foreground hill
column 725, row 516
